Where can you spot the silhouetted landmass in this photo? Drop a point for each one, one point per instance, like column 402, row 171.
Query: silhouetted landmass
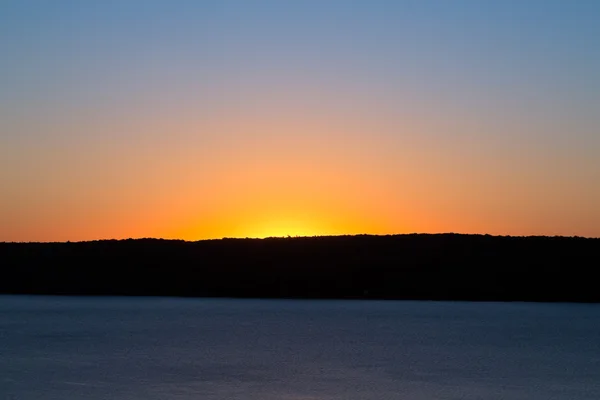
column 419, row 266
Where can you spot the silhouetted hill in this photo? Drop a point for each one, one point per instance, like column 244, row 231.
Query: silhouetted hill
column 419, row 266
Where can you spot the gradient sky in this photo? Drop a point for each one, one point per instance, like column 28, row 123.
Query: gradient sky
column 205, row 119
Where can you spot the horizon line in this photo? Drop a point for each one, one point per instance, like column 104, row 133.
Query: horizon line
column 291, row 237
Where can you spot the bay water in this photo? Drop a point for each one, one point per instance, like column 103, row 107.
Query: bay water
column 56, row 348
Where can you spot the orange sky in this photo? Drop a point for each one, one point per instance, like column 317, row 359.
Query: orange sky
column 283, row 175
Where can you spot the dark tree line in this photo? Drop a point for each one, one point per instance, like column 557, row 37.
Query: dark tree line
column 432, row 267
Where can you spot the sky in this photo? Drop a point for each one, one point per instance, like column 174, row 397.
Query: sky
column 253, row 118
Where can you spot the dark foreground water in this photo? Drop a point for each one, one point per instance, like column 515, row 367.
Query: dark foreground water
column 158, row 348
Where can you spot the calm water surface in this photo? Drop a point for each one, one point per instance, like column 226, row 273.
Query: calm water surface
column 160, row 348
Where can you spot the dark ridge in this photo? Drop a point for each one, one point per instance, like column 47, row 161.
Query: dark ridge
column 417, row 266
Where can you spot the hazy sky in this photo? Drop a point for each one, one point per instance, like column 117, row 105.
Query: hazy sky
column 204, row 119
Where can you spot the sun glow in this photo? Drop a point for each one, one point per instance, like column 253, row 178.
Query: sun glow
column 282, row 228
